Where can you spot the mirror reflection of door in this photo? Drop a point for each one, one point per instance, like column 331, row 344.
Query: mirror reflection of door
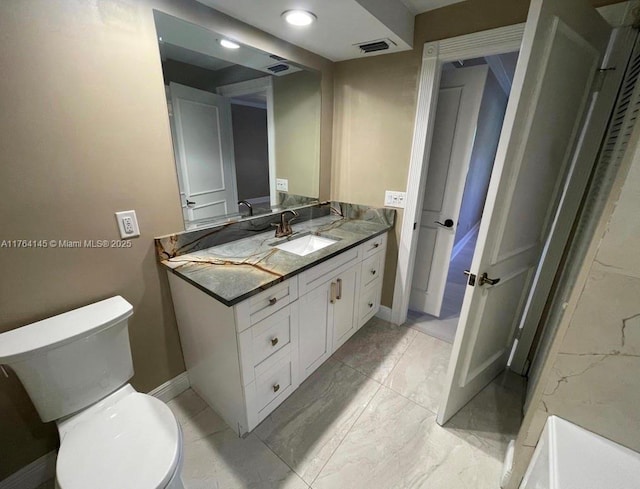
column 204, row 152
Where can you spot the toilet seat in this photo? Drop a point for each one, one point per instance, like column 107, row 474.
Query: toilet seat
column 134, row 443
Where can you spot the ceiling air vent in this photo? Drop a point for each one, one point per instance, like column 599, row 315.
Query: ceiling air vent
column 374, row 46
column 279, row 68
column 277, row 58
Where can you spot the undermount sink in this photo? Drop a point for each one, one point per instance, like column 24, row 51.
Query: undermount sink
column 304, row 244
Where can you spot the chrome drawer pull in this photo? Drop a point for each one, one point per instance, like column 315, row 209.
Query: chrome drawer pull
column 276, row 387
column 274, row 341
column 273, row 300
column 376, row 245
column 332, row 297
column 370, row 305
column 373, row 272
column 339, row 296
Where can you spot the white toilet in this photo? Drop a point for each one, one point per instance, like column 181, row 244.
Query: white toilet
column 75, row 368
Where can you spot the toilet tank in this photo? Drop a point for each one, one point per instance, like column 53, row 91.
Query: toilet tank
column 70, row 361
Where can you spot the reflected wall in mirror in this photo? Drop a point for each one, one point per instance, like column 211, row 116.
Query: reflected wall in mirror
column 245, row 124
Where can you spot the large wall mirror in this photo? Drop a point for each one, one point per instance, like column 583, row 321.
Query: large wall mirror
column 245, row 124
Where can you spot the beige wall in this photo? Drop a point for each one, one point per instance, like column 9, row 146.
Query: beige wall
column 375, row 101
column 85, row 133
column 296, row 108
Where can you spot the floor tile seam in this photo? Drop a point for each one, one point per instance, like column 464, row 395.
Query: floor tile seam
column 381, row 382
column 283, row 461
column 346, row 434
column 409, row 399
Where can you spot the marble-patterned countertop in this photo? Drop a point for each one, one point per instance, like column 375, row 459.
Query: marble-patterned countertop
column 234, row 271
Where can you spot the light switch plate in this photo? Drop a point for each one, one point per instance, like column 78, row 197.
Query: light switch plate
column 282, row 184
column 128, row 224
column 394, row 199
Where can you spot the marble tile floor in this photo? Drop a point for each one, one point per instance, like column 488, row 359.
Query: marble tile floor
column 364, row 419
column 445, row 326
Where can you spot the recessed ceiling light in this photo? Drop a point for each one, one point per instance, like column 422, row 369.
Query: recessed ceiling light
column 225, row 43
column 299, row 17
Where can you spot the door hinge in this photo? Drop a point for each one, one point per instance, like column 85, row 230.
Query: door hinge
column 601, row 75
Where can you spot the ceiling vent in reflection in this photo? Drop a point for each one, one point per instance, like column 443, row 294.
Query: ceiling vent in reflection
column 375, row 46
column 279, row 68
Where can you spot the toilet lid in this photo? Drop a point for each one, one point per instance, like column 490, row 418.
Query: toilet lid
column 133, row 444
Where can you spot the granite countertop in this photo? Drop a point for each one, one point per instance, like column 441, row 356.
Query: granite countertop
column 234, row 271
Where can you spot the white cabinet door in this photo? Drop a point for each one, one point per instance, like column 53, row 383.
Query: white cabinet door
column 347, row 293
column 316, row 327
column 328, row 317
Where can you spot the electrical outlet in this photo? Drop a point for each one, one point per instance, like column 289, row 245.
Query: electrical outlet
column 395, row 199
column 282, row 184
column 127, row 224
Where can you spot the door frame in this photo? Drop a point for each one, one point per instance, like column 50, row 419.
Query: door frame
column 485, row 43
column 258, row 85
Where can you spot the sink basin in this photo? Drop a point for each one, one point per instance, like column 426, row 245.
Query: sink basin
column 305, row 244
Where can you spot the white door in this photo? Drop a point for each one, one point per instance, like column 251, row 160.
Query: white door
column 459, row 101
column 204, row 150
column 562, row 49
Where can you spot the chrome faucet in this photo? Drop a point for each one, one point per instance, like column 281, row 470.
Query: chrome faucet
column 284, row 227
column 249, row 206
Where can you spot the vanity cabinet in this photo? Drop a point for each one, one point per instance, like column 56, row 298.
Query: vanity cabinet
column 245, row 360
column 329, row 318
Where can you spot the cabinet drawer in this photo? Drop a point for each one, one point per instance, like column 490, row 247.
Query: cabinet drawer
column 316, row 276
column 369, row 301
column 266, row 338
column 374, row 245
column 372, row 268
column 274, row 382
column 262, row 305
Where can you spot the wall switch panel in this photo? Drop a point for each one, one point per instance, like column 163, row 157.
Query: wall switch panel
column 395, row 199
column 127, row 224
column 282, row 184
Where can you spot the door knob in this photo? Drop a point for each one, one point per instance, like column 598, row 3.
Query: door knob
column 448, row 223
column 484, row 279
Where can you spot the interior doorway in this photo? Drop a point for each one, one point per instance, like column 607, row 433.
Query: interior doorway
column 472, row 100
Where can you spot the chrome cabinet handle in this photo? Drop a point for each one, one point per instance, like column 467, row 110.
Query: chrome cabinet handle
column 190, row 203
column 332, row 297
column 370, row 305
column 373, row 272
column 339, row 296
column 273, row 300
column 375, row 245
column 276, row 387
column 274, row 341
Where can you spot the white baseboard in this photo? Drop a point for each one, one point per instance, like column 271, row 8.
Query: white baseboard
column 459, row 246
column 171, row 388
column 34, row 474
column 43, row 469
column 384, row 313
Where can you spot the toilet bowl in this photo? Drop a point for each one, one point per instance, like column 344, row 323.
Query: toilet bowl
column 76, row 367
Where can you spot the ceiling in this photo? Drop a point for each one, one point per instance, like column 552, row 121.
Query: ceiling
column 341, row 24
column 420, row 6
column 188, row 43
